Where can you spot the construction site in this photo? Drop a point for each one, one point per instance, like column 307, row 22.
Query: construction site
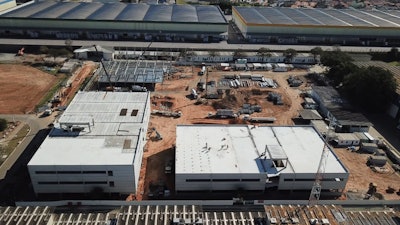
column 262, row 98
column 197, row 95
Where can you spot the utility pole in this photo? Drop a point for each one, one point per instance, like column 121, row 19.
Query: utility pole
column 317, row 186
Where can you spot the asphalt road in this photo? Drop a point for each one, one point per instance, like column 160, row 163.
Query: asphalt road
column 35, row 124
column 195, row 46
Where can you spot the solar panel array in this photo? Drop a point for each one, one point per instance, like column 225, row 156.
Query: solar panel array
column 319, row 17
column 119, row 11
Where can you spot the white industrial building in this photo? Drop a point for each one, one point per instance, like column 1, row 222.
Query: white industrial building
column 246, row 157
column 96, row 143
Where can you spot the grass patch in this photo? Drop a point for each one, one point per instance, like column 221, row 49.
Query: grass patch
column 52, row 91
column 180, row 2
column 14, row 142
column 394, row 63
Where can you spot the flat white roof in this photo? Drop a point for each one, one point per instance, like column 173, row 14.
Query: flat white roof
column 104, row 136
column 204, row 149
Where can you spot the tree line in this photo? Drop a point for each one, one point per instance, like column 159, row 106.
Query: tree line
column 371, row 88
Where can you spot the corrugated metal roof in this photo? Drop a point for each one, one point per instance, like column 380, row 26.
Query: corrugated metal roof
column 320, row 17
column 119, row 11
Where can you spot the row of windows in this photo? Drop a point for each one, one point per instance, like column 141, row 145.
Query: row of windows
column 124, row 111
column 111, row 183
column 325, row 179
column 109, row 173
column 222, row 180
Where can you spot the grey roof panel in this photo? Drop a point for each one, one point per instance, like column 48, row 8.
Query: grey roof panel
column 318, row 17
column 82, row 12
column 275, row 16
column 30, row 9
column 184, row 13
column 133, row 12
column 252, row 15
column 209, row 14
column 55, row 10
column 109, row 11
column 159, row 13
column 326, row 19
column 298, row 16
column 119, row 11
column 388, row 15
column 394, row 13
column 347, row 17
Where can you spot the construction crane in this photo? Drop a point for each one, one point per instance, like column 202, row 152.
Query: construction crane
column 110, row 87
column 317, row 186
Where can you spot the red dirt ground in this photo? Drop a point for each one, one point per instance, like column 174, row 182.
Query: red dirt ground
column 174, row 91
column 22, row 88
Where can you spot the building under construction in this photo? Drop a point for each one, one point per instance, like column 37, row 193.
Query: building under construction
column 254, row 158
column 125, row 74
column 210, row 213
column 96, row 144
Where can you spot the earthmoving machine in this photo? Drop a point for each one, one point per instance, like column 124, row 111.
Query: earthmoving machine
column 158, row 136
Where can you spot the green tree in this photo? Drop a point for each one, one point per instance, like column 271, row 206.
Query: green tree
column 264, row 52
column 317, row 51
column 237, row 54
column 3, row 124
column 213, row 53
column 372, row 88
column 289, row 54
column 393, row 54
column 333, row 58
column 44, row 49
column 339, row 63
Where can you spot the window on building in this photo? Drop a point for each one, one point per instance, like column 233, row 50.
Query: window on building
column 71, row 182
column 45, row 172
column 123, row 112
column 251, row 180
column 94, row 172
column 96, row 182
column 198, row 180
column 69, row 172
column 110, row 173
column 47, row 182
column 225, row 180
column 134, row 112
column 111, row 183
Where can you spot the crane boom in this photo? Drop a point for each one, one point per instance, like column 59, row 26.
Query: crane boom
column 105, row 70
column 317, row 186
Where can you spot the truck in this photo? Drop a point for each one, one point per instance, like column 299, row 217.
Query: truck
column 194, row 94
column 47, row 112
column 202, row 71
column 168, row 167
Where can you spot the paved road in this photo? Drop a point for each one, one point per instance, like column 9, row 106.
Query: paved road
column 36, row 124
column 170, row 45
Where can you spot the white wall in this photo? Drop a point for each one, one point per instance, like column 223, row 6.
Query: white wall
column 305, row 181
column 121, row 175
column 219, row 182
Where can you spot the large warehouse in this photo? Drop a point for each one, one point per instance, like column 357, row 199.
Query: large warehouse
column 114, row 21
column 96, row 143
column 242, row 157
column 318, row 26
